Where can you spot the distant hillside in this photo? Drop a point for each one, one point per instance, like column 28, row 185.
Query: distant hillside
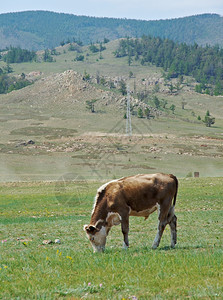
column 37, row 30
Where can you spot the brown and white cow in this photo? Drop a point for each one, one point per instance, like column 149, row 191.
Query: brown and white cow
column 138, row 195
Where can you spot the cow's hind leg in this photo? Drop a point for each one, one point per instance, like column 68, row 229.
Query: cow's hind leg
column 173, row 228
column 160, row 229
column 162, row 216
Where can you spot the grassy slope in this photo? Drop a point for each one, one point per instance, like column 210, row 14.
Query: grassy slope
column 153, row 148
column 38, row 211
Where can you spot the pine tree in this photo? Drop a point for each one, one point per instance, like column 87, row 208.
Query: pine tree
column 140, row 113
column 90, row 105
column 122, row 87
column 172, row 107
column 208, row 119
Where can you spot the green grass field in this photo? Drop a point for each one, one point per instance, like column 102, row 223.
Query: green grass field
column 33, row 212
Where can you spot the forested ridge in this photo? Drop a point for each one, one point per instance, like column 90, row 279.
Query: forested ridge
column 18, row 55
column 205, row 64
column 36, row 30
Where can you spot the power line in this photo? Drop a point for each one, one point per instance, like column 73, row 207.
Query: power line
column 128, row 115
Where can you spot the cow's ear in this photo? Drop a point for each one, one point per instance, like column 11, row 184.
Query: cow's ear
column 85, row 227
column 90, row 229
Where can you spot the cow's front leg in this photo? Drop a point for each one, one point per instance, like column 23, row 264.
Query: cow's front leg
column 125, row 231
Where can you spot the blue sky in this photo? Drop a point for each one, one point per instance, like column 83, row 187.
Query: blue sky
column 134, row 9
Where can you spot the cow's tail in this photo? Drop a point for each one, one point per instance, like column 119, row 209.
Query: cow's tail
column 175, row 196
column 171, row 212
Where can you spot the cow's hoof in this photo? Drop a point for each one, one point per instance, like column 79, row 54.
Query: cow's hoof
column 154, row 246
column 125, row 247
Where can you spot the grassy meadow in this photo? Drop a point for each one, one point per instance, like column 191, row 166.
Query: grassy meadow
column 36, row 211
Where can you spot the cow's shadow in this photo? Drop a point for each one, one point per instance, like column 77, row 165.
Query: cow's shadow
column 166, row 248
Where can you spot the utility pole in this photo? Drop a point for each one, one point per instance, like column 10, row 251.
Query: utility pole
column 128, row 115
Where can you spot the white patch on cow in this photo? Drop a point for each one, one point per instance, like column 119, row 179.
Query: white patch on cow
column 85, row 227
column 99, row 191
column 99, row 221
column 156, row 240
column 98, row 240
column 101, row 234
column 157, row 237
column 113, row 218
column 101, row 188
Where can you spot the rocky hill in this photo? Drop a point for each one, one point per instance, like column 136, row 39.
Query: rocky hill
column 70, row 88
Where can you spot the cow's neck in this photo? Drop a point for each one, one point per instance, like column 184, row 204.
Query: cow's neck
column 99, row 215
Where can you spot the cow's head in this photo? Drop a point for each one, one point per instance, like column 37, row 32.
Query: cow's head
column 97, row 233
column 97, row 237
